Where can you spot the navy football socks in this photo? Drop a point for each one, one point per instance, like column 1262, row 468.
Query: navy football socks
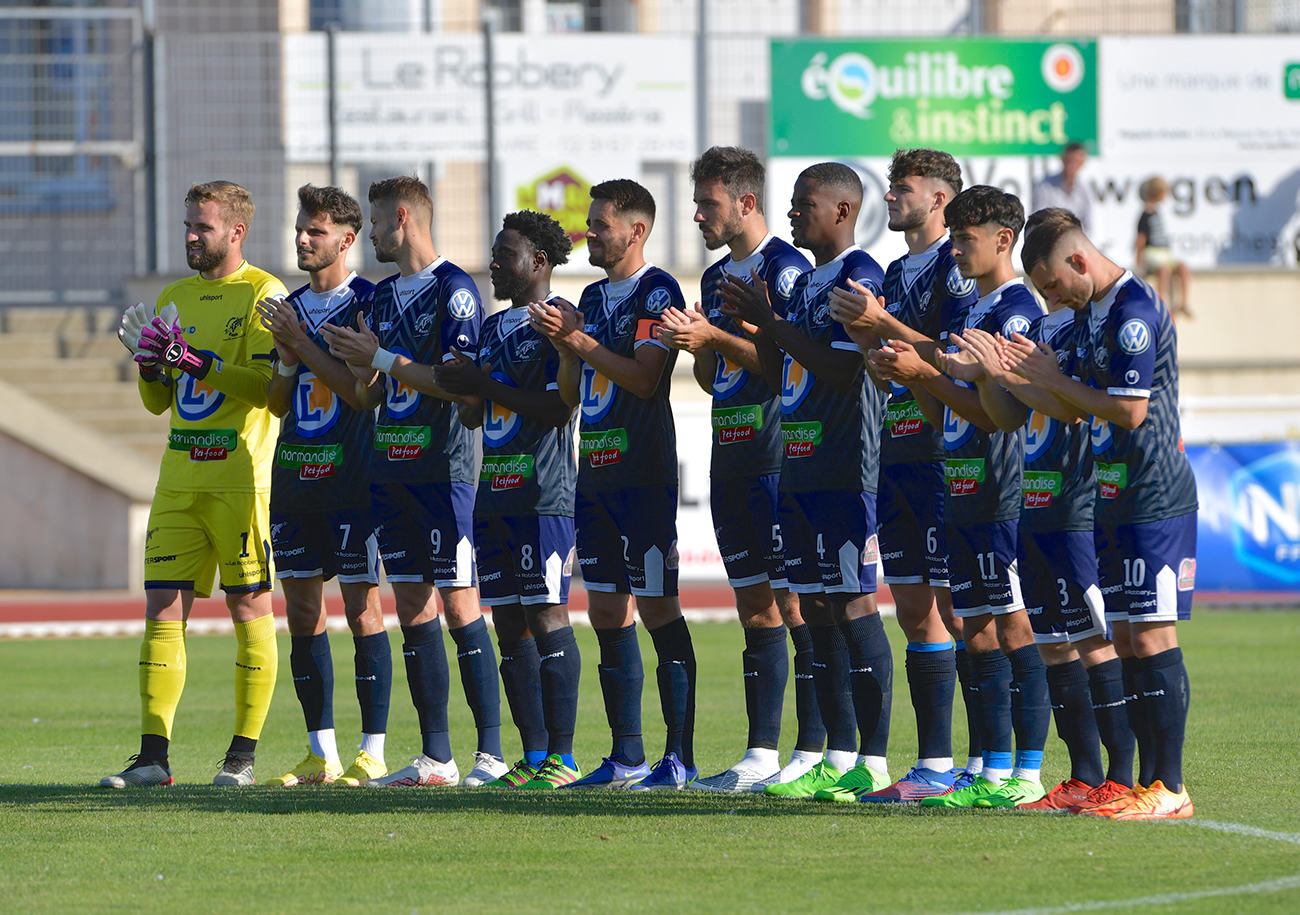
column 313, row 679
column 374, row 675
column 521, row 679
column 1167, row 694
column 1110, row 709
column 766, row 664
column 812, row 733
column 621, row 679
column 834, row 694
column 1134, row 682
column 970, row 697
column 560, row 670
column 429, row 678
column 992, row 674
column 478, row 675
column 931, row 676
column 676, row 677
column 871, row 678
column 1031, row 710
column 1076, row 724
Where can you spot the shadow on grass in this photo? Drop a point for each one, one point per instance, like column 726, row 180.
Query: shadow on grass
column 363, row 801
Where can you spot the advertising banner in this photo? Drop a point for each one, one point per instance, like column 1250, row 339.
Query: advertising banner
column 972, row 97
column 420, row 97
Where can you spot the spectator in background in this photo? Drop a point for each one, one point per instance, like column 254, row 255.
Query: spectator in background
column 1064, row 190
column 1153, row 253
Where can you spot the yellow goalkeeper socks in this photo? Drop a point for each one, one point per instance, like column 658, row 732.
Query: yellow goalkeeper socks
column 162, row 675
column 256, row 664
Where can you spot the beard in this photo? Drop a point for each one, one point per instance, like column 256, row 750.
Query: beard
column 727, row 232
column 509, row 287
column 206, row 258
column 612, row 252
column 317, row 260
column 385, row 251
column 908, row 221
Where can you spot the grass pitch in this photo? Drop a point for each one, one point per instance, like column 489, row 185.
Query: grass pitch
column 70, row 716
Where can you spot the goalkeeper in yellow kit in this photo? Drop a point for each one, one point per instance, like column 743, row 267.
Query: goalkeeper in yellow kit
column 205, row 356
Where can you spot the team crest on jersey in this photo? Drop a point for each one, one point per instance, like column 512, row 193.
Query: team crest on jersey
column 424, row 324
column 526, row 348
column 1016, row 324
column 959, row 287
column 400, row 400
column 796, row 382
column 598, row 394
column 462, row 305
column 785, row 282
column 729, row 379
column 197, row 399
column 315, row 406
column 1039, row 432
column 658, row 300
column 1134, row 337
column 500, row 424
column 956, row 431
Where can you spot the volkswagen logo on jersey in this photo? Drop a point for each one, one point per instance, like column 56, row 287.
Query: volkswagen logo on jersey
column 658, row 300
column 462, row 305
column 785, row 282
column 729, row 379
column 598, row 394
column 197, row 399
column 1039, row 432
column 956, row 431
column 1134, row 337
column 400, row 400
column 1016, row 324
column 959, row 287
column 315, row 406
column 796, row 382
column 500, row 424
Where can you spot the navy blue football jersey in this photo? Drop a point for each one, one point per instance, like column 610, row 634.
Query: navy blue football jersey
column 322, row 460
column 983, row 469
column 746, row 412
column 419, row 438
column 1130, row 348
column 528, row 467
column 1057, row 486
column 624, row 441
column 831, row 437
column 917, row 289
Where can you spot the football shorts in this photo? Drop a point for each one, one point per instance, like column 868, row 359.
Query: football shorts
column 748, row 530
column 326, row 544
column 1148, row 571
column 830, row 542
column 909, row 508
column 1058, row 580
column 627, row 540
column 982, row 571
column 425, row 532
column 193, row 536
column 524, row 559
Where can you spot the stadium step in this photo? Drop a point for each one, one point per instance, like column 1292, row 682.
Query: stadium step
column 32, row 373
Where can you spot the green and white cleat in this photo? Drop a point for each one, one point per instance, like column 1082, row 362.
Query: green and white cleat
column 964, row 797
column 1012, row 792
column 822, row 775
column 552, row 774
column 518, row 776
column 853, row 784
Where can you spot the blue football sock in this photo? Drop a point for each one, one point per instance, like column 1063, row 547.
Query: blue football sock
column 622, row 677
column 766, row 664
column 1031, row 710
column 812, row 733
column 871, row 678
column 676, row 676
column 521, row 680
column 1076, row 724
column 834, row 694
column 374, row 675
column 931, row 676
column 478, row 675
column 429, row 679
column 1106, row 683
column 561, row 668
column 1167, row 693
column 1134, row 681
column 992, row 673
column 313, row 679
column 970, row 697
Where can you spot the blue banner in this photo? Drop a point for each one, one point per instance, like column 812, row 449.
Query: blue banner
column 1248, row 529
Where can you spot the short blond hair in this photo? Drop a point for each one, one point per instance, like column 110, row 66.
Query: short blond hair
column 234, row 201
column 1153, row 189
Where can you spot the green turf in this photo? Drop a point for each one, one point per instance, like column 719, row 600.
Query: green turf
column 70, row 717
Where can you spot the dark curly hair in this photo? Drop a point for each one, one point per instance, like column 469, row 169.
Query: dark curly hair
column 926, row 163
column 543, row 233
column 983, row 204
column 341, row 207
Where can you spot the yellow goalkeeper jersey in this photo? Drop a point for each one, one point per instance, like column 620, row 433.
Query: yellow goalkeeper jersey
column 222, row 435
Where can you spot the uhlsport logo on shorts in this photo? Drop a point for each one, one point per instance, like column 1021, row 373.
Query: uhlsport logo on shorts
column 197, row 399
column 1039, row 432
column 729, row 379
column 796, row 382
column 400, row 400
column 1265, row 500
column 598, row 394
column 315, row 406
column 500, row 424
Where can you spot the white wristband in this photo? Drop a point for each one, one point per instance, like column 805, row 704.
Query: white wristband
column 288, row 371
column 383, row 360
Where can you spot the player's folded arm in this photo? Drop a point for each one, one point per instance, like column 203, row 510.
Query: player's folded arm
column 156, row 396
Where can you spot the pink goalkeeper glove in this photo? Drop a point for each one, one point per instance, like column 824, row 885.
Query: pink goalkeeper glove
column 166, row 345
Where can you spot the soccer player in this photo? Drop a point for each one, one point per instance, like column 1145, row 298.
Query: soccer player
column 422, row 489
column 1127, row 361
column 626, row 503
column 206, row 358
column 523, row 515
column 983, row 471
column 830, row 427
column 320, row 492
column 729, row 185
column 918, row 290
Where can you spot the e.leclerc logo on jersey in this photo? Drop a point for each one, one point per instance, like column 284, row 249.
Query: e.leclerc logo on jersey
column 598, row 394
column 729, row 379
column 500, row 424
column 972, row 96
column 400, row 400
column 197, row 399
column 956, row 431
column 796, row 382
column 315, row 406
column 1039, row 432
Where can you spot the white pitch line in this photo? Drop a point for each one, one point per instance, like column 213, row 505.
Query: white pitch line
column 1240, row 829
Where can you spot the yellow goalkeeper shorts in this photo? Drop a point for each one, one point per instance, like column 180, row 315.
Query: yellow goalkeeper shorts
column 193, row 535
